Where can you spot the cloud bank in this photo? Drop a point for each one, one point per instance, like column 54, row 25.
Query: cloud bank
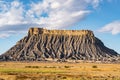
column 51, row 14
column 113, row 27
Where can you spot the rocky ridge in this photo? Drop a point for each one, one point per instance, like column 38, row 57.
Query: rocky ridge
column 61, row 45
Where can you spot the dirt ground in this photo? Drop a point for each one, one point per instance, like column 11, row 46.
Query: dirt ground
column 58, row 71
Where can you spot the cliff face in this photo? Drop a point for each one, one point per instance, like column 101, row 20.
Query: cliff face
column 38, row 31
column 42, row 44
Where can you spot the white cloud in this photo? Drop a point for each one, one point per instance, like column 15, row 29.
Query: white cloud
column 4, row 35
column 55, row 5
column 95, row 3
column 52, row 14
column 12, row 14
column 113, row 27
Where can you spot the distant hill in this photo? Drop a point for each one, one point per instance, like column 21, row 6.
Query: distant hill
column 42, row 44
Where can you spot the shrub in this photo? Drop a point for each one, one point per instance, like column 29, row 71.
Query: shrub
column 28, row 66
column 35, row 66
column 32, row 67
column 67, row 66
column 94, row 66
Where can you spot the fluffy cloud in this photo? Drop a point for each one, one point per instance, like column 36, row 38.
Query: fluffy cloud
column 113, row 27
column 52, row 14
column 4, row 35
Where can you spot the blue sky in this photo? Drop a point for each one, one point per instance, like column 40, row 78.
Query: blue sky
column 100, row 16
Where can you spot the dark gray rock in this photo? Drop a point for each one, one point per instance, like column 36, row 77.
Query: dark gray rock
column 82, row 45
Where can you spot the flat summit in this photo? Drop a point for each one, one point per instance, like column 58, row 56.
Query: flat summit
column 42, row 44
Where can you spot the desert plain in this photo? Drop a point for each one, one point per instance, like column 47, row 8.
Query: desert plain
column 59, row 71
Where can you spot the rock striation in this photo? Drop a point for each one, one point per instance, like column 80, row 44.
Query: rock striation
column 42, row 44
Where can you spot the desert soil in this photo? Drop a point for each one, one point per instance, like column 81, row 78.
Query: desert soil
column 58, row 71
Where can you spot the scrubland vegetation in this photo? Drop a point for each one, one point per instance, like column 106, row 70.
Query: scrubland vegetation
column 58, row 71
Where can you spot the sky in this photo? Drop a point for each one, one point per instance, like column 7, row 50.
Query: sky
column 100, row 16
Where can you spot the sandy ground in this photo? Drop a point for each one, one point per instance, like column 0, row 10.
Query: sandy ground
column 58, row 71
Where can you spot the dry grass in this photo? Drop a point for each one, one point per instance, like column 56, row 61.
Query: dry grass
column 58, row 71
